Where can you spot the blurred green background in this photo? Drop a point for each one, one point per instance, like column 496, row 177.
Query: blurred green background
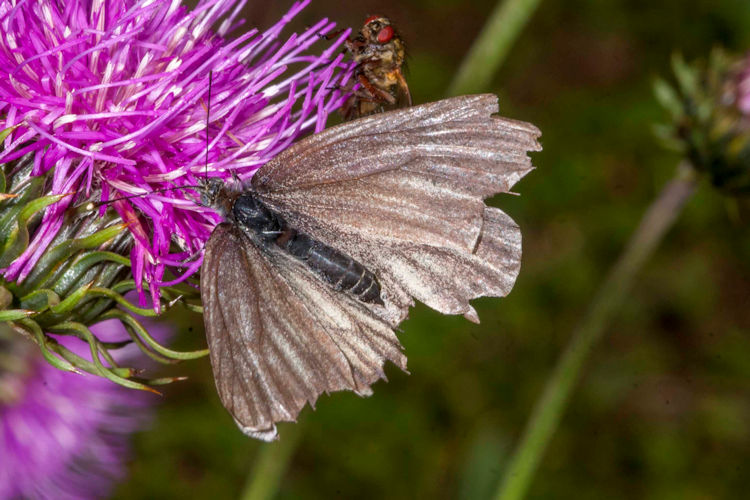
column 663, row 409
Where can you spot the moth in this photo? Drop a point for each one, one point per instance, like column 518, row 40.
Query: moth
column 320, row 257
column 379, row 53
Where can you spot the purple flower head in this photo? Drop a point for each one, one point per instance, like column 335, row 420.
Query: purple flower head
column 63, row 435
column 112, row 98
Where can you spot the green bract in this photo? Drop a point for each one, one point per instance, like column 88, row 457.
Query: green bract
column 79, row 280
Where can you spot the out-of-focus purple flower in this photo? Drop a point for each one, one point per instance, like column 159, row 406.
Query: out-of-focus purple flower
column 112, row 98
column 743, row 87
column 63, row 435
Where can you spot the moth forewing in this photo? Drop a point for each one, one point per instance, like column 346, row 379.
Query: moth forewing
column 395, row 199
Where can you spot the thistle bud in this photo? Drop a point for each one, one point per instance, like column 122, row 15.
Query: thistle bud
column 709, row 104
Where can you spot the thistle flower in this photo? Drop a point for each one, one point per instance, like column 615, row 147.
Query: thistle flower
column 62, row 435
column 107, row 102
column 710, row 108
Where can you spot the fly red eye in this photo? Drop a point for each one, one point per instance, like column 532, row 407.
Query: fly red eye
column 371, row 19
column 385, row 35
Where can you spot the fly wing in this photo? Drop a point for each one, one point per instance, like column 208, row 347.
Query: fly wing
column 278, row 336
column 403, row 95
column 403, row 193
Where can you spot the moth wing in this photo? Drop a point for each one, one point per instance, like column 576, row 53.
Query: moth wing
column 278, row 336
column 403, row 193
column 340, row 153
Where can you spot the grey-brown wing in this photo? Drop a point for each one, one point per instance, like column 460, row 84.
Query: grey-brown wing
column 376, row 143
column 403, row 193
column 278, row 336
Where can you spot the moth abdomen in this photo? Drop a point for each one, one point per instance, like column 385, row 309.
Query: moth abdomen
column 343, row 272
column 297, row 244
column 368, row 287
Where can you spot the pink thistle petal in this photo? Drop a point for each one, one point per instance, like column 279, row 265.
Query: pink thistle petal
column 112, row 96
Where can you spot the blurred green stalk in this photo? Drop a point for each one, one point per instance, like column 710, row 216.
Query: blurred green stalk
column 546, row 415
column 491, row 46
column 270, row 466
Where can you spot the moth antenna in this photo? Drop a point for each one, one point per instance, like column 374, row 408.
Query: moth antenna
column 92, row 205
column 208, row 114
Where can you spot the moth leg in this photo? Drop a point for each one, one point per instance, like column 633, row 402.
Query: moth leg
column 235, row 177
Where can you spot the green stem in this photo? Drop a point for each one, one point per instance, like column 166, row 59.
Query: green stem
column 270, row 466
column 492, row 45
column 549, row 408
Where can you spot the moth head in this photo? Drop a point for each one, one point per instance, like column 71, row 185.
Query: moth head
column 210, row 191
column 216, row 195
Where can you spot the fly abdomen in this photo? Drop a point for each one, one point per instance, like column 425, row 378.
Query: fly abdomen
column 341, row 271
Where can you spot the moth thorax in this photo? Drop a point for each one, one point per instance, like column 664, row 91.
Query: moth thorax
column 251, row 214
column 217, row 196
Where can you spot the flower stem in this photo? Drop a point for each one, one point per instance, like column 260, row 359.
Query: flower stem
column 549, row 408
column 269, row 467
column 492, row 45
